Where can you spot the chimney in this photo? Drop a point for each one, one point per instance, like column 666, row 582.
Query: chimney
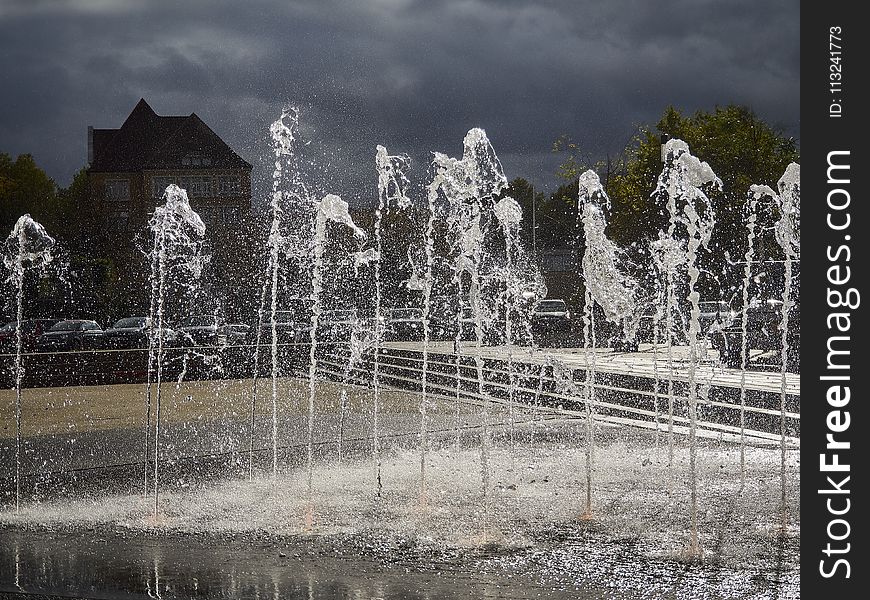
column 90, row 144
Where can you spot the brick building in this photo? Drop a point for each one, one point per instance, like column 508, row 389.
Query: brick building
column 130, row 167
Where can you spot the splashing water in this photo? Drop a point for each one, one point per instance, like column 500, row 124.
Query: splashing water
column 509, row 215
column 429, row 249
column 469, row 187
column 442, row 195
column 330, row 209
column 681, row 181
column 362, row 340
column 28, row 247
column 608, row 285
column 788, row 237
column 669, row 256
column 288, row 245
column 603, row 269
column 177, row 261
column 756, row 194
column 283, row 136
column 604, row 283
column 392, row 192
column 589, row 389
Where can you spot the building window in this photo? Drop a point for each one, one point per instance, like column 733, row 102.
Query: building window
column 231, row 214
column 229, row 185
column 118, row 221
column 117, row 190
column 196, row 159
column 207, row 214
column 159, row 185
column 197, row 187
column 218, row 215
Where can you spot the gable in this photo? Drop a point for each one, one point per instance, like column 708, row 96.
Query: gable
column 149, row 141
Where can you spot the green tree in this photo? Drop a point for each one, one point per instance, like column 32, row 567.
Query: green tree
column 24, row 188
column 741, row 149
column 76, row 227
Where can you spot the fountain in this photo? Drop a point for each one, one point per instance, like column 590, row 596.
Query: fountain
column 177, row 261
column 28, row 246
column 330, row 209
column 755, row 194
column 788, row 236
column 509, row 215
column 609, row 286
column 470, row 186
column 681, row 181
column 392, row 184
column 472, row 425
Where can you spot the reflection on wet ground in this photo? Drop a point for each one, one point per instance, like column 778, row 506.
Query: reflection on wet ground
column 112, row 563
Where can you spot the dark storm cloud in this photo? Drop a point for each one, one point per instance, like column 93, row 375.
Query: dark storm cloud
column 414, row 76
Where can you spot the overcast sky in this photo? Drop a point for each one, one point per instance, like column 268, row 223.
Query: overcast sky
column 413, row 75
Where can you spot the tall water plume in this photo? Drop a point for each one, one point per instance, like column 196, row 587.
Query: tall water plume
column 28, row 247
column 509, row 215
column 757, row 194
column 681, row 182
column 469, row 187
column 789, row 239
column 331, row 209
column 177, row 261
column 393, row 186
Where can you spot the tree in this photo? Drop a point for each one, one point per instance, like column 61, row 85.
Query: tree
column 24, row 188
column 741, row 149
column 76, row 227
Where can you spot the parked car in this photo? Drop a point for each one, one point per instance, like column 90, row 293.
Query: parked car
column 210, row 330
column 293, row 338
column 550, row 320
column 130, row 332
column 715, row 315
column 133, row 332
column 31, row 330
column 336, row 325
column 763, row 332
column 71, row 335
column 404, row 324
column 290, row 327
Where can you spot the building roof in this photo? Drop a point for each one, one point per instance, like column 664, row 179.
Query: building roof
column 147, row 140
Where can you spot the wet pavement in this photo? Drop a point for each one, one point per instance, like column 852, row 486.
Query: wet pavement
column 114, row 563
column 85, row 529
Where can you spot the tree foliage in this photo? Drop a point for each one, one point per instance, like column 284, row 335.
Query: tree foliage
column 24, row 187
column 741, row 149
